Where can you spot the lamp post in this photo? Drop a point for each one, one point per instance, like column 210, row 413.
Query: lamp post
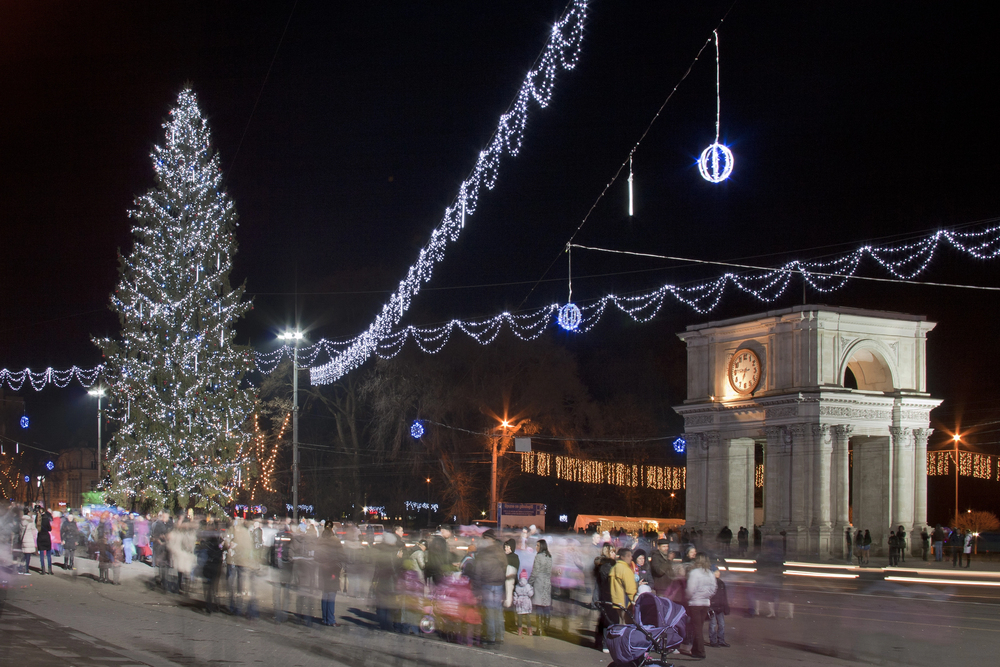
column 505, row 424
column 99, row 393
column 428, row 502
column 295, row 337
column 956, row 439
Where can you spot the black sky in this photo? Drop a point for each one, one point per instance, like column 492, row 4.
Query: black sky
column 850, row 122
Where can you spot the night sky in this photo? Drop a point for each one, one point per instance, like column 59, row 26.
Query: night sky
column 851, row 123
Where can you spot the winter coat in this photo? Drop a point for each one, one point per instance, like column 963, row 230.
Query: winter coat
column 513, row 566
column 968, row 543
column 662, row 571
column 28, row 535
column 491, row 566
column 69, row 534
column 522, row 596
column 701, row 586
column 44, row 539
column 541, row 580
column 720, row 600
column 623, row 586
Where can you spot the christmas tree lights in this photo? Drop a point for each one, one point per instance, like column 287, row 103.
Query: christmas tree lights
column 175, row 376
column 561, row 52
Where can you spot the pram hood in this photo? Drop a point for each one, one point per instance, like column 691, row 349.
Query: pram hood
column 651, row 610
column 664, row 620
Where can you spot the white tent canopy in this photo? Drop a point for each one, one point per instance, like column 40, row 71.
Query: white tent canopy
column 629, row 523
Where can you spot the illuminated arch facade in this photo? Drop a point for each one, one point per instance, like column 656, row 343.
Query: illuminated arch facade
column 833, row 384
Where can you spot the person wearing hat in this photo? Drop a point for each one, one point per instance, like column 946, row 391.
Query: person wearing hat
column 661, row 567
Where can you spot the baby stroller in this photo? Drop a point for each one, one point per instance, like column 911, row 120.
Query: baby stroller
column 658, row 627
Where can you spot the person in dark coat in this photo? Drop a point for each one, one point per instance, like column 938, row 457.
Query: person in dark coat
column 44, row 541
column 388, row 558
column 718, row 610
column 330, row 560
column 491, row 574
column 211, row 545
column 70, row 536
column 603, row 565
column 661, row 567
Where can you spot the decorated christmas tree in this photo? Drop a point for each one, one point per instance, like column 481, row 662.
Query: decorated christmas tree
column 178, row 400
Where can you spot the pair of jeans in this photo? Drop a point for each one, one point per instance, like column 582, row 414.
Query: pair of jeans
column 493, row 617
column 717, row 628
column 329, row 606
column 69, row 559
column 43, row 556
column 938, row 551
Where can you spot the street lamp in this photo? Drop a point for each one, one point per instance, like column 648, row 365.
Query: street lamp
column 99, row 393
column 295, row 337
column 956, row 439
column 428, row 502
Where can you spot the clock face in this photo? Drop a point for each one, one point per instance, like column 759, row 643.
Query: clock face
column 744, row 371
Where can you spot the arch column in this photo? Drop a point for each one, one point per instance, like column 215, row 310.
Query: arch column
column 841, row 484
column 920, row 436
column 821, row 517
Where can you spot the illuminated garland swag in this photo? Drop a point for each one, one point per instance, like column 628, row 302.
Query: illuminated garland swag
column 175, row 375
column 903, row 261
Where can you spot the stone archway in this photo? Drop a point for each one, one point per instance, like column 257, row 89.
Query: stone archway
column 867, row 361
column 808, row 421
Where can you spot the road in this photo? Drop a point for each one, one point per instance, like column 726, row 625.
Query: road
column 65, row 620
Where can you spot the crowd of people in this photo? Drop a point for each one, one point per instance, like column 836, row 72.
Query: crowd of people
column 473, row 588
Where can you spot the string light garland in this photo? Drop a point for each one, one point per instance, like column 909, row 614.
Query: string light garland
column 903, row 261
column 589, row 471
column 970, row 464
column 716, row 161
column 562, row 51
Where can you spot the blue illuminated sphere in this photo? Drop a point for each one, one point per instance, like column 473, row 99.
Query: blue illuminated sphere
column 27, row 478
column 24, row 421
column 570, row 317
column 50, row 465
column 716, row 163
column 417, row 429
column 680, row 445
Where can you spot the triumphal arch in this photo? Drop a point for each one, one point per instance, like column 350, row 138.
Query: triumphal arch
column 827, row 407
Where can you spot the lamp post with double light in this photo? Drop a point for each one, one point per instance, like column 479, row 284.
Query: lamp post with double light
column 99, row 393
column 294, row 337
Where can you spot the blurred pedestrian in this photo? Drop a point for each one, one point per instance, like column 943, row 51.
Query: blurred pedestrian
column 44, row 541
column 701, row 586
column 490, row 575
column 938, row 539
column 967, row 548
column 718, row 610
column 523, row 593
column 70, row 537
column 28, row 536
column 541, row 582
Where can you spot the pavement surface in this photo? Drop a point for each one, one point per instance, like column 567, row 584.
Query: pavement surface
column 870, row 618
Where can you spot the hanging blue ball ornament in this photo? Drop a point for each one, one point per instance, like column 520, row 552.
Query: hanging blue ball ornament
column 24, row 421
column 417, row 429
column 680, row 445
column 570, row 317
column 716, row 163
